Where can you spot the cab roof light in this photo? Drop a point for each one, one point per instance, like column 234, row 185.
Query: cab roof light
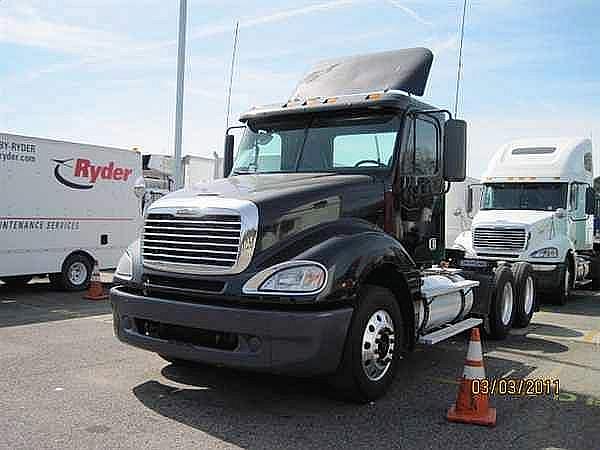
column 374, row 96
column 312, row 101
column 330, row 100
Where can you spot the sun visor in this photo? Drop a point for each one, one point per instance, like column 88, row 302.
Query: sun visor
column 405, row 70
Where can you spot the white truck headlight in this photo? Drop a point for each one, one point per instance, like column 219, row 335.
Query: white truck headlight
column 548, row 252
column 293, row 277
column 125, row 267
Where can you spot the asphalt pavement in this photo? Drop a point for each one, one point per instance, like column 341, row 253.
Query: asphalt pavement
column 66, row 382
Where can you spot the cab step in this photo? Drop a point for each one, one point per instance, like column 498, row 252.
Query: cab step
column 449, row 331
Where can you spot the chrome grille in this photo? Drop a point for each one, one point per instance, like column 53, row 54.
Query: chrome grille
column 210, row 240
column 500, row 238
column 200, row 234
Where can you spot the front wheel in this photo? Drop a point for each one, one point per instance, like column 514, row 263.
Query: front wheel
column 503, row 304
column 566, row 284
column 373, row 347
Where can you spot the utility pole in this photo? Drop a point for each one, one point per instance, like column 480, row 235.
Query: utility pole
column 233, row 55
column 179, row 102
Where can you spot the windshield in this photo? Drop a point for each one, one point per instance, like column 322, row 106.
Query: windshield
column 318, row 144
column 537, row 196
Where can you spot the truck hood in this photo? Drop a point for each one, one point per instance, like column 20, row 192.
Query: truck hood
column 539, row 225
column 290, row 202
column 511, row 218
column 265, row 187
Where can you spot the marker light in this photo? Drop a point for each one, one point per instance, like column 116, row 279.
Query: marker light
column 125, row 267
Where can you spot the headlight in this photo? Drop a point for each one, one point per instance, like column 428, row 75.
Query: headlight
column 125, row 267
column 548, row 252
column 293, row 277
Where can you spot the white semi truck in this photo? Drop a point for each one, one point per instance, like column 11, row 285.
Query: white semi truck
column 537, row 205
column 62, row 206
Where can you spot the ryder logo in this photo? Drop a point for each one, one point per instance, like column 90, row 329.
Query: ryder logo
column 82, row 173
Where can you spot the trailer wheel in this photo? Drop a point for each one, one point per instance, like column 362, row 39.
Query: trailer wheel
column 503, row 304
column 525, row 294
column 373, row 347
column 16, row 281
column 76, row 273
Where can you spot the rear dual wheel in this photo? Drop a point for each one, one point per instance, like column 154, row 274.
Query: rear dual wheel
column 502, row 314
column 525, row 293
column 513, row 299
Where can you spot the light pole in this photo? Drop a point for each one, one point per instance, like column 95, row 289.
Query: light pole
column 179, row 101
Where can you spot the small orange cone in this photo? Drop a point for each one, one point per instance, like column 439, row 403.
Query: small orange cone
column 96, row 290
column 470, row 407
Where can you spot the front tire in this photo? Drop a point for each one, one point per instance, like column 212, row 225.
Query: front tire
column 566, row 284
column 525, row 294
column 374, row 345
column 502, row 311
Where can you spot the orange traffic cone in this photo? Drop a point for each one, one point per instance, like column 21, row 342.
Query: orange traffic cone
column 471, row 407
column 96, row 290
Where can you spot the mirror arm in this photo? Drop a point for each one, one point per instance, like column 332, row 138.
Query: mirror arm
column 234, row 127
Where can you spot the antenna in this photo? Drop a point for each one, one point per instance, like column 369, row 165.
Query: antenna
column 459, row 70
column 233, row 55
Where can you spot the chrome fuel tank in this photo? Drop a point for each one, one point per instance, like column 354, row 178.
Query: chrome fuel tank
column 446, row 297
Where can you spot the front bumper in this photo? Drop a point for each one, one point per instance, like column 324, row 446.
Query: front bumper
column 294, row 342
column 548, row 277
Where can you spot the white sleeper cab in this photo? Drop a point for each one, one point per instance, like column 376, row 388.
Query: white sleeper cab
column 537, row 205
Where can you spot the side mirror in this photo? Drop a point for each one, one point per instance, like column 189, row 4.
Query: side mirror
column 590, row 201
column 470, row 205
column 469, row 201
column 228, row 155
column 455, row 150
column 560, row 213
column 139, row 187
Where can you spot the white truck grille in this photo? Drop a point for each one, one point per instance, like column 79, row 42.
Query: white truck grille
column 211, row 240
column 499, row 238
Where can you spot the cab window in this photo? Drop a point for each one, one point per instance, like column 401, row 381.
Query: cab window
column 369, row 149
column 420, row 157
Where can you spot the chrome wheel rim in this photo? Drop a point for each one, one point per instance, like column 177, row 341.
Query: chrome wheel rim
column 77, row 273
column 378, row 345
column 567, row 280
column 529, row 295
column 507, row 304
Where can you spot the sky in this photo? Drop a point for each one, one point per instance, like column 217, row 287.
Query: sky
column 103, row 71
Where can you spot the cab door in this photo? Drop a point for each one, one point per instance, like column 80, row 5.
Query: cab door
column 418, row 190
column 581, row 227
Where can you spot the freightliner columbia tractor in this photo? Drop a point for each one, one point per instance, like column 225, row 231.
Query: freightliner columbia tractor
column 538, row 205
column 322, row 251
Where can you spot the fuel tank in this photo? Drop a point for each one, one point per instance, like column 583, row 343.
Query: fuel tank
column 446, row 298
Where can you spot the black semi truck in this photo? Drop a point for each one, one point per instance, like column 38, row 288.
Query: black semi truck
column 322, row 251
